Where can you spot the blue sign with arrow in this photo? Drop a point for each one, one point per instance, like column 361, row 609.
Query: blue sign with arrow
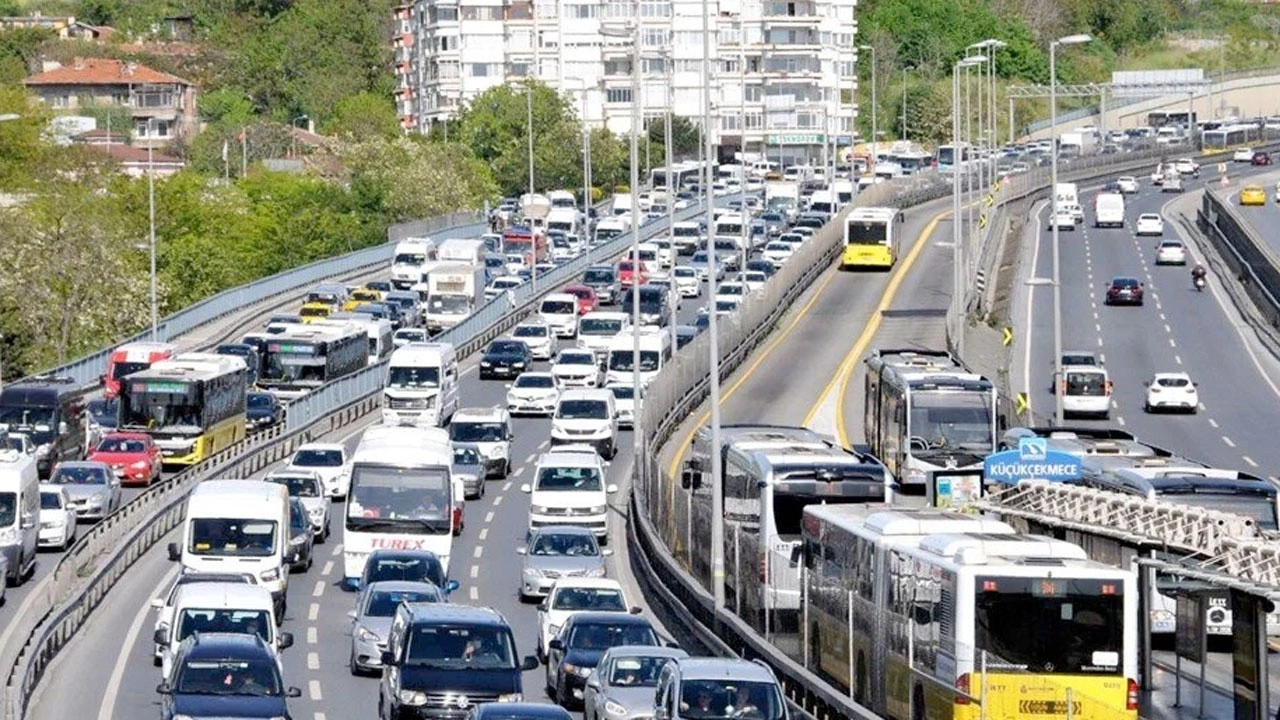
column 1033, row 460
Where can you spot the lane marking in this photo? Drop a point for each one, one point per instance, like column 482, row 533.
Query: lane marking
column 1228, row 441
column 313, row 661
column 1167, row 328
column 1119, row 420
column 850, row 363
column 1172, row 343
column 312, row 636
column 479, row 551
column 473, row 593
column 488, row 517
column 484, row 533
column 1213, row 423
column 112, row 691
column 319, row 589
column 505, row 487
column 327, row 570
column 313, row 686
column 1249, row 460
column 497, row 501
column 1031, row 303
column 1177, row 359
column 313, row 612
column 475, row 571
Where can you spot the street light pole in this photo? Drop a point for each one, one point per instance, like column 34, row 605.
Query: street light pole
column 637, row 98
column 871, row 49
column 717, row 480
column 533, row 240
column 961, row 164
column 151, row 222
column 667, row 142
column 1058, row 412
column 742, row 150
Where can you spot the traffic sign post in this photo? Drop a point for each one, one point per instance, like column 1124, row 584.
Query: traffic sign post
column 1033, row 460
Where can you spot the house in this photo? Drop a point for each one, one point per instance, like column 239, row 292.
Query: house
column 64, row 27
column 162, row 106
column 134, row 162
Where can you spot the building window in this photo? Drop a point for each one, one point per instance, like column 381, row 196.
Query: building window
column 518, row 40
column 60, row 101
column 518, row 69
column 689, row 66
column 482, row 12
column 655, row 8
column 155, row 129
column 730, row 36
column 445, row 14
column 618, row 95
column 617, row 67
column 616, row 9
column 548, row 38
column 655, row 66
column 655, row 37
column 449, row 71
column 688, row 39
column 580, row 12
column 484, row 69
column 519, row 11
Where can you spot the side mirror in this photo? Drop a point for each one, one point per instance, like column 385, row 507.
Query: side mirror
column 526, row 488
column 530, row 662
column 161, row 636
column 175, row 552
column 352, row 615
column 635, row 610
column 606, row 552
column 387, row 658
column 611, row 489
column 556, row 644
column 285, row 640
column 522, row 551
column 450, row 585
column 157, row 603
column 593, row 681
column 543, row 606
column 293, row 692
column 163, row 688
column 102, row 379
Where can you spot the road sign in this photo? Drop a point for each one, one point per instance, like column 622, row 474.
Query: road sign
column 1033, row 460
column 1222, row 167
column 991, row 200
column 1022, row 405
column 1008, row 336
column 982, row 221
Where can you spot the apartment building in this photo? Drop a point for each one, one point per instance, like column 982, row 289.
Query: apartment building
column 778, row 71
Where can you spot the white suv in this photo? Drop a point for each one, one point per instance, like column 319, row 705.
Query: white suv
column 569, row 488
column 560, row 311
column 330, row 460
column 490, row 430
column 588, row 417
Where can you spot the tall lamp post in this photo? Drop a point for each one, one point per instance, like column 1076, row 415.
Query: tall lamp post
column 527, row 89
column 957, row 247
column 1053, row 184
column 6, row 117
column 151, row 223
column 293, row 136
column 874, row 156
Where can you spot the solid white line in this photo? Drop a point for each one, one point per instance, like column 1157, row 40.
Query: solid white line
column 313, row 661
column 1249, row 460
column 107, row 710
column 314, row 687
column 1228, row 441
column 1213, row 422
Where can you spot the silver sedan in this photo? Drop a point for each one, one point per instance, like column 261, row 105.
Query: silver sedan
column 557, row 551
column 469, row 466
column 623, row 684
column 371, row 620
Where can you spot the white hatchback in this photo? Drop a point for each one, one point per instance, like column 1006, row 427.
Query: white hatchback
column 1149, row 224
column 1172, row 391
column 533, row 393
column 687, row 282
column 538, row 336
column 777, row 252
column 1242, row 155
column 576, row 368
column 1128, row 184
column 733, row 291
column 1171, row 252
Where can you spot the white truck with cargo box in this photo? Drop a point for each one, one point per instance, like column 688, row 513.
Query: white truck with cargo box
column 454, row 291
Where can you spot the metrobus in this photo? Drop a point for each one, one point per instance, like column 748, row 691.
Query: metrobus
column 130, row 358
column 925, row 411
column 910, row 161
column 403, row 496
column 922, row 613
column 192, row 405
column 871, row 237
column 951, row 155
column 303, row 357
column 1230, row 136
column 770, row 474
column 682, row 174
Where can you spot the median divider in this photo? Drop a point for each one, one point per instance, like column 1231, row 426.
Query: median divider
column 1255, row 264
column 63, row 602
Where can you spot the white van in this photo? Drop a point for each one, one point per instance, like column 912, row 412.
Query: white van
column 462, row 252
column 238, row 526
column 586, row 416
column 655, row 353
column 823, row 201
column 1086, row 390
column 597, row 329
column 224, row 607
column 411, row 259
column 560, row 311
column 651, row 255
column 19, row 514
column 422, row 385
column 1108, row 210
column 570, row 488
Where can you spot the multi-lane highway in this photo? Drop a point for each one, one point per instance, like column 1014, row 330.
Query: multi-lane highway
column 110, row 664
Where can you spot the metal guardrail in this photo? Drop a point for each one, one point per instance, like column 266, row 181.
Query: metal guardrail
column 102, row 555
column 1254, row 263
column 86, row 370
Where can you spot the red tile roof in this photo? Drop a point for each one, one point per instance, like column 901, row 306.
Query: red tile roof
column 102, row 71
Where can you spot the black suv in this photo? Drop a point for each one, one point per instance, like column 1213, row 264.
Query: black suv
column 583, row 639
column 447, row 659
column 220, row 675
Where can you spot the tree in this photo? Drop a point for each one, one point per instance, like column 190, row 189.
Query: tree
column 685, row 136
column 364, row 115
column 20, row 50
column 21, row 146
column 229, row 107
column 410, row 178
column 928, row 112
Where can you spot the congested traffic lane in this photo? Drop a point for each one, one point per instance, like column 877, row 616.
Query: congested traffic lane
column 484, row 561
column 1176, row 330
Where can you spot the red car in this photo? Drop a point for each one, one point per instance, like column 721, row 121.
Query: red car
column 133, row 457
column 587, row 300
column 627, row 273
column 1261, row 158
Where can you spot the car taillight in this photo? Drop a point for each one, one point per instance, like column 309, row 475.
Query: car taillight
column 962, row 684
column 1131, row 698
column 1155, row 389
column 1108, row 388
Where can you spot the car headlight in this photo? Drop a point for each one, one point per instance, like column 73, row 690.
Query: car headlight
column 539, row 509
column 316, row 512
column 366, row 635
column 140, row 465
column 271, row 575
column 297, row 541
column 9, row 536
column 598, row 509
column 517, row 364
column 412, row 697
column 578, row 670
column 553, row 630
column 96, row 500
column 510, row 697
column 485, row 363
column 595, row 572
column 614, row 708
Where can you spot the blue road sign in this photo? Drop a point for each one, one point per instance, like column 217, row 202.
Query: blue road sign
column 1033, row 460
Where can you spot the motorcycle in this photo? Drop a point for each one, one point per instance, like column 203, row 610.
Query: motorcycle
column 1199, row 282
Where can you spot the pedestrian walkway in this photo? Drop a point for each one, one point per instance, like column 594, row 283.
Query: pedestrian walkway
column 1166, row 703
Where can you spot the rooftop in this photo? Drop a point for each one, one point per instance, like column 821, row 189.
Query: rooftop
column 103, row 71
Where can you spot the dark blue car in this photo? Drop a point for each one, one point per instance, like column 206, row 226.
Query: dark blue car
column 220, row 675
column 582, row 641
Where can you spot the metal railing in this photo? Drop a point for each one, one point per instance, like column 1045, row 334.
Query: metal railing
column 1255, row 264
column 62, row 604
column 86, row 370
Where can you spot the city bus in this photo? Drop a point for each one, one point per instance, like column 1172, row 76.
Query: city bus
column 925, row 411
column 192, row 405
column 682, row 174
column 951, row 155
column 301, row 358
column 1229, row 136
column 871, row 237
column 770, row 474
column 932, row 614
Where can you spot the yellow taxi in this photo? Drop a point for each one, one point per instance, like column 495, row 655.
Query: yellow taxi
column 312, row 311
column 1253, row 195
column 361, row 295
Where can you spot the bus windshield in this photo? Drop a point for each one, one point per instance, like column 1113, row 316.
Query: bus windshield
column 866, row 233
column 161, row 409
column 951, row 419
column 411, row 499
column 1049, row 625
column 1258, row 507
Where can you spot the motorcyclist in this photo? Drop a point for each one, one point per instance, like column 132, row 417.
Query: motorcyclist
column 1198, row 272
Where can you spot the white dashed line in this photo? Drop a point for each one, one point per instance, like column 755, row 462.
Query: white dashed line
column 1167, row 328
column 1163, row 318
column 312, row 636
column 1177, row 359
column 314, row 687
column 484, row 534
column 327, row 570
column 1249, row 460
column 1172, row 343
column 506, row 486
column 1097, row 327
column 1095, row 315
column 319, row 589
column 313, row 661
column 475, row 571
column 1213, row 423
column 1228, row 441
column 488, row 517
column 497, row 501
column 313, row 612
column 1102, row 358
column 1114, row 405
column 473, row 593
column 1099, row 342
column 337, row 550
column 1119, row 420
column 479, row 551
column 319, row 716
column 530, row 458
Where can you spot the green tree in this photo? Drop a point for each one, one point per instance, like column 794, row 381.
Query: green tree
column 685, row 136
column 21, row 147
column 228, row 106
column 928, row 113
column 20, row 48
column 410, row 178
column 364, row 115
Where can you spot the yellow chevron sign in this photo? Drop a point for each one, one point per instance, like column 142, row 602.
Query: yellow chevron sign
column 1022, row 403
column 982, row 221
column 1008, row 336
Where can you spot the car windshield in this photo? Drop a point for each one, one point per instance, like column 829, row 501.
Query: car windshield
column 1125, row 283
column 477, row 432
column 79, row 476
column 623, row 392
column 50, row 501
column 464, row 455
column 242, row 622
column 576, row 359
column 684, row 272
column 1171, row 245
column 559, row 307
column 232, row 537
column 411, row 569
column 228, row 677
column 317, row 458
column 578, row 598
column 636, row 670
column 601, row 636
column 260, row 400
column 383, row 603
column 121, row 445
column 298, row 485
column 1173, row 382
column 507, row 348
column 598, row 276
column 699, row 257
column 1086, row 383
column 460, row 648
column 530, row 331
column 413, row 376
column 571, row 545
column 599, row 326
column 582, row 410
column 569, row 479
column 546, row 382
column 729, row 698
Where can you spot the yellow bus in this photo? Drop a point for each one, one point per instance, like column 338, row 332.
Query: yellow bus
column 871, row 238
column 192, row 405
column 927, row 614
